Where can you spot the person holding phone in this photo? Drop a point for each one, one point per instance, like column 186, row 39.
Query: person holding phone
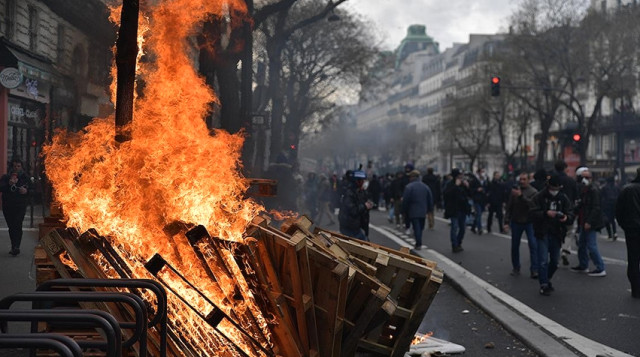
column 15, row 188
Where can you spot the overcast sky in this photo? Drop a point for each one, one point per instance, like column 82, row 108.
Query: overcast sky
column 447, row 21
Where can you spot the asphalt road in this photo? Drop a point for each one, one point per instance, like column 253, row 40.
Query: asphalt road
column 600, row 309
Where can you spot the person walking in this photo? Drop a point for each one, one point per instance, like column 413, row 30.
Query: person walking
column 456, row 208
column 627, row 213
column 15, row 188
column 609, row 196
column 517, row 220
column 497, row 196
column 570, row 189
column 552, row 212
column 353, row 206
column 589, row 221
column 397, row 188
column 479, row 196
column 324, row 200
column 417, row 202
column 433, row 182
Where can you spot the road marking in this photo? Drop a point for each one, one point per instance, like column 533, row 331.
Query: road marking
column 578, row 342
column 607, row 260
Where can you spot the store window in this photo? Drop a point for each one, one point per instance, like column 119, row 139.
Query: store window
column 25, row 131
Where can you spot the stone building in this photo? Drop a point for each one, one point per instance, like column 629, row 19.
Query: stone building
column 55, row 57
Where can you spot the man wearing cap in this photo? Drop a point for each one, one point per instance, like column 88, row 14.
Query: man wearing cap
column 589, row 221
column 518, row 220
column 354, row 207
column 417, row 201
column 551, row 213
column 456, row 207
column 628, row 216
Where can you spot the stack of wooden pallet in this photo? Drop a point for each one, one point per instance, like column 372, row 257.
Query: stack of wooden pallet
column 325, row 294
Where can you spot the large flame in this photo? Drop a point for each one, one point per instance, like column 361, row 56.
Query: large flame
column 172, row 170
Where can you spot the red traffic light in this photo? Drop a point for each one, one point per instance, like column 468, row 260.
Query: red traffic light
column 495, row 80
column 577, row 137
column 292, row 147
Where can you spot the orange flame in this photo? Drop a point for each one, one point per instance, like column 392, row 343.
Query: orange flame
column 172, row 170
column 421, row 338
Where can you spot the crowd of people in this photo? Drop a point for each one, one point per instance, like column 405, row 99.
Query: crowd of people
column 546, row 206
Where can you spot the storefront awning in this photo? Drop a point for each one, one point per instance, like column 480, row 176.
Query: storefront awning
column 31, row 66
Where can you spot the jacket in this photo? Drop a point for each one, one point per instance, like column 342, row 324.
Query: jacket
column 497, row 193
column 11, row 197
column 589, row 209
column 543, row 224
column 417, row 200
column 352, row 208
column 456, row 200
column 628, row 207
column 433, row 182
column 518, row 207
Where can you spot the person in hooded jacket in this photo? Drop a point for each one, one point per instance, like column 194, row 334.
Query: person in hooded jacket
column 354, row 207
column 589, row 222
column 551, row 213
column 15, row 187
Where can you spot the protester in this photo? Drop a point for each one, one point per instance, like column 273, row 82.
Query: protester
column 497, row 196
column 456, row 203
column 518, row 221
column 417, row 202
column 569, row 188
column 433, row 182
column 627, row 213
column 353, row 208
column 609, row 195
column 551, row 213
column 479, row 187
column 589, row 222
column 15, row 187
column 397, row 188
column 324, row 200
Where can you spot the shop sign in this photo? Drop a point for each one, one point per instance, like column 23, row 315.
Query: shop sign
column 32, row 87
column 10, row 77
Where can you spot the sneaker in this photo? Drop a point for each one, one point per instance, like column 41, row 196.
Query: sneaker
column 418, row 247
column 14, row 251
column 534, row 275
column 578, row 269
column 551, row 287
column 457, row 249
column 473, row 229
column 515, row 272
column 545, row 290
column 615, row 237
column 565, row 260
column 408, row 231
column 598, row 272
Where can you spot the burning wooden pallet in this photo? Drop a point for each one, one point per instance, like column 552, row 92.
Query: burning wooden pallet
column 302, row 291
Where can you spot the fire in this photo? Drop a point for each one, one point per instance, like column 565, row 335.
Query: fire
column 172, row 171
column 421, row 338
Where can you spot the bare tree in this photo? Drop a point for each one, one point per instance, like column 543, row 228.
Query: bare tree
column 542, row 32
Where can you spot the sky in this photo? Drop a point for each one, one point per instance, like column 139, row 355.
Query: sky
column 447, row 21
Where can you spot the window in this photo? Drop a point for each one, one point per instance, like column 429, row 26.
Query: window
column 10, row 18
column 61, row 44
column 33, row 28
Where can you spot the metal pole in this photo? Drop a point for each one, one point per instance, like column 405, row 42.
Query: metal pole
column 126, row 55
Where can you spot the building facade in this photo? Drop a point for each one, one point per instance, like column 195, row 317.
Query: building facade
column 55, row 58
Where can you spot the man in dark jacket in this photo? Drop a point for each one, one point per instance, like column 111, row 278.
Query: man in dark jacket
column 354, row 206
column 417, row 202
column 570, row 189
column 478, row 188
column 609, row 195
column 15, row 187
column 497, row 196
column 433, row 182
column 627, row 214
column 456, row 207
column 551, row 213
column 518, row 220
column 589, row 221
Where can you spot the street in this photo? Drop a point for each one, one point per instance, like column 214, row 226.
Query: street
column 598, row 309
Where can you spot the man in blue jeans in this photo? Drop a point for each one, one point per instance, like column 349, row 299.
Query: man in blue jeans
column 551, row 213
column 417, row 201
column 518, row 220
column 589, row 221
column 456, row 207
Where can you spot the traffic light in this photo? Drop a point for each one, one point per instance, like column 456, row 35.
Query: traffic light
column 495, row 86
column 576, row 142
